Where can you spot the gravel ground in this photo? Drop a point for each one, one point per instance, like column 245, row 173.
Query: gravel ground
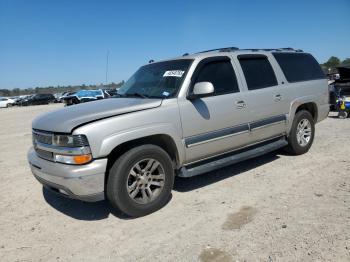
column 273, row 208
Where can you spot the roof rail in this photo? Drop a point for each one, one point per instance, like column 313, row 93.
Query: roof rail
column 274, row 49
column 232, row 49
column 223, row 49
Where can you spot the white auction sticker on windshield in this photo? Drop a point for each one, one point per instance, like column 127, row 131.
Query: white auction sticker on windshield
column 174, row 73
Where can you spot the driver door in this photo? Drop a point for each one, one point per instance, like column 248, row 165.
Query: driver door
column 216, row 123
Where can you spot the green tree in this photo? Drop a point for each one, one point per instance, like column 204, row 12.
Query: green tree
column 16, row 91
column 346, row 62
column 332, row 62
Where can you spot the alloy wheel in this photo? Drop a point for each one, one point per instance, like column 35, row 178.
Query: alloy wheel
column 304, row 132
column 145, row 181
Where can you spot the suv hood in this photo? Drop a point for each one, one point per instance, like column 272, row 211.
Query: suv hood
column 66, row 119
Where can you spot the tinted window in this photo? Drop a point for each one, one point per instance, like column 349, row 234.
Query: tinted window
column 257, row 71
column 162, row 79
column 299, row 66
column 221, row 75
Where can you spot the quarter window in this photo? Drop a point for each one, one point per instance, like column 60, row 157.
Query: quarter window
column 257, row 71
column 299, row 66
column 221, row 75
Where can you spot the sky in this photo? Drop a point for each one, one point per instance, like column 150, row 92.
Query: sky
column 62, row 42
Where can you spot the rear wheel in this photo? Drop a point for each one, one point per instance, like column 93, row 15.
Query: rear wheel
column 141, row 180
column 302, row 133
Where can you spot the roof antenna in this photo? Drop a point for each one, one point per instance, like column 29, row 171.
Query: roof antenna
column 151, row 61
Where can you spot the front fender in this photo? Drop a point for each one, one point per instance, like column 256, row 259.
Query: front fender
column 106, row 134
column 114, row 140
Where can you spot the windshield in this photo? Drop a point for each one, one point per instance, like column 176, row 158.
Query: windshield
column 158, row 80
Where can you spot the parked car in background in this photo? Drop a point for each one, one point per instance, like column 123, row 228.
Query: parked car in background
column 83, row 96
column 185, row 116
column 38, row 99
column 20, row 99
column 65, row 94
column 6, row 102
column 110, row 92
column 57, row 97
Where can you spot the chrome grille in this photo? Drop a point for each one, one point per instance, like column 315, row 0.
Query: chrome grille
column 43, row 138
column 44, row 154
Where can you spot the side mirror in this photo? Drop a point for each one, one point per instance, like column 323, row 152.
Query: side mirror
column 201, row 89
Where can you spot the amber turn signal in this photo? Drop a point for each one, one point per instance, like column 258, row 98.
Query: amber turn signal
column 82, row 159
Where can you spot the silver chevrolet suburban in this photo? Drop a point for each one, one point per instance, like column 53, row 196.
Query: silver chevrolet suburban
column 180, row 117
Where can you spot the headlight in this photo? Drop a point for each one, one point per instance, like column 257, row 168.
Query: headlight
column 70, row 140
column 77, row 150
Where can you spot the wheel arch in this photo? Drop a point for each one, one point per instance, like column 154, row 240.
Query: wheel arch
column 305, row 103
column 164, row 141
column 311, row 107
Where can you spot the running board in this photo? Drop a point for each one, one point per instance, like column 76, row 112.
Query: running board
column 233, row 158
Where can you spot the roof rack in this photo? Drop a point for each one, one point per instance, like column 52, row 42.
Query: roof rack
column 223, row 49
column 274, row 49
column 232, row 49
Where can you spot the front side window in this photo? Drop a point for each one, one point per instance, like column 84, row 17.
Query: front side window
column 221, row 75
column 258, row 71
column 157, row 80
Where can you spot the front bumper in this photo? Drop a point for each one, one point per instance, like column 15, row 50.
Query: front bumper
column 83, row 182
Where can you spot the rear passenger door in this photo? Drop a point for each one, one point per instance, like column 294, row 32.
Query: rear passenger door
column 264, row 96
column 213, row 124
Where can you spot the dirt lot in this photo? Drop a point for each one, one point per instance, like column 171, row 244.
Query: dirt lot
column 273, row 208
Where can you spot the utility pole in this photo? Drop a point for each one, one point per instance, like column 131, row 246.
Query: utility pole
column 107, row 67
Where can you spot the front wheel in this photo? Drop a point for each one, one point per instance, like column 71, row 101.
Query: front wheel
column 141, row 180
column 302, row 133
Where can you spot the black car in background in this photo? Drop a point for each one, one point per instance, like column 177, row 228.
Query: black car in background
column 38, row 99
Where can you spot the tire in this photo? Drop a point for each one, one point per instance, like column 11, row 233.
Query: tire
column 123, row 175
column 300, row 146
column 343, row 114
column 8, row 105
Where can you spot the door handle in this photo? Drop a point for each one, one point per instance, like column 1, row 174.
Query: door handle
column 240, row 104
column 277, row 97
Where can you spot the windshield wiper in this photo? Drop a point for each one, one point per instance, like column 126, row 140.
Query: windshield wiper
column 136, row 95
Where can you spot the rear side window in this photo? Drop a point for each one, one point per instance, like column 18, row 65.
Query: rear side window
column 221, row 75
column 257, row 71
column 299, row 66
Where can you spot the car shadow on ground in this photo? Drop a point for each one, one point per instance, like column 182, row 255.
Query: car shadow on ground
column 101, row 210
column 80, row 210
column 193, row 183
